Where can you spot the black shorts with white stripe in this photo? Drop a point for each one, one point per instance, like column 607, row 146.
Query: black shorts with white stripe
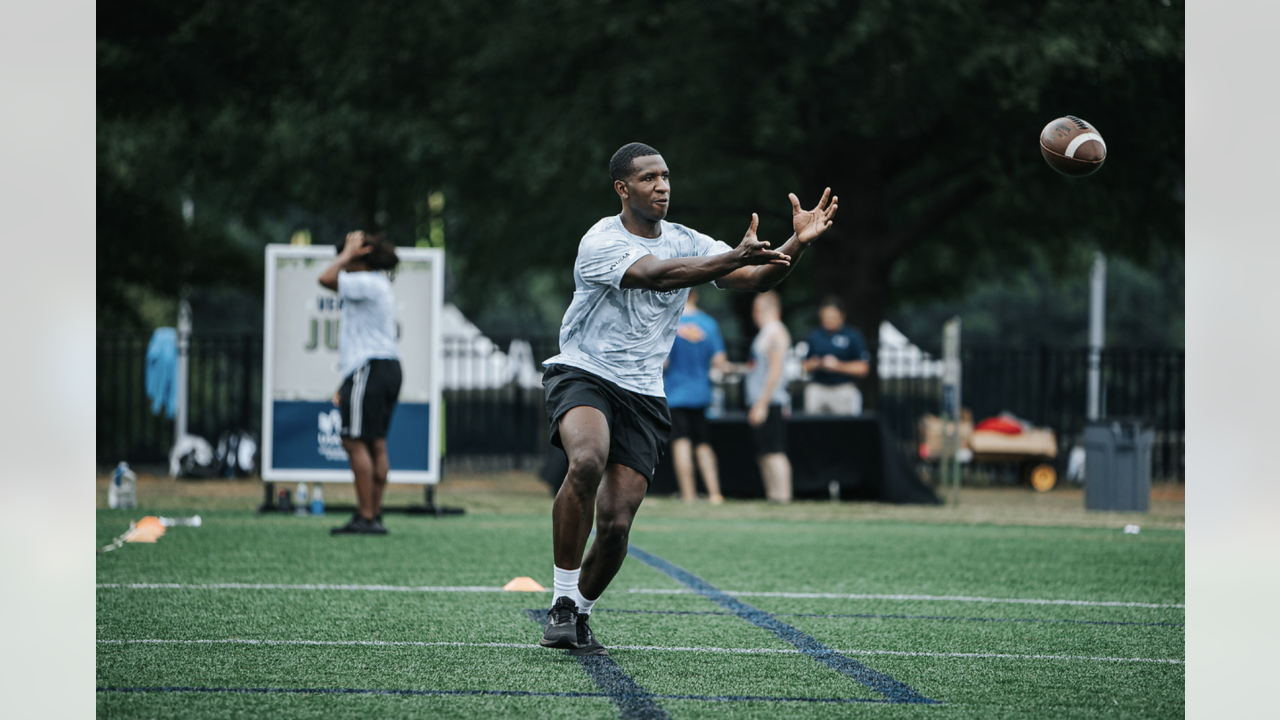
column 368, row 397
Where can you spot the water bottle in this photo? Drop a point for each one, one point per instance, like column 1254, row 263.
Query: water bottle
column 717, row 401
column 113, row 488
column 301, row 508
column 317, row 500
column 127, row 495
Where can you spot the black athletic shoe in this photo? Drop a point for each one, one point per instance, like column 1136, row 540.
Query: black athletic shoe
column 359, row 526
column 562, row 625
column 587, row 642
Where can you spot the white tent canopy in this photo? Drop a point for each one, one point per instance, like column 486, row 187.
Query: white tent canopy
column 473, row 361
column 899, row 357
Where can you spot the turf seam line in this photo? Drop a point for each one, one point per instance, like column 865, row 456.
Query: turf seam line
column 632, row 700
column 646, row 648
column 507, row 693
column 875, row 616
column 895, row 690
column 931, row 598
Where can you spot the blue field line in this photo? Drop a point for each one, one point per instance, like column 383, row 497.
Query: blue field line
column 630, row 697
column 895, row 690
column 897, row 617
column 466, row 693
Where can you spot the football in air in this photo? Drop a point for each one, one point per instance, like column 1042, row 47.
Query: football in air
column 1072, row 146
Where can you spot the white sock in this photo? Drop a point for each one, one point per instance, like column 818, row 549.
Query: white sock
column 585, row 605
column 566, row 585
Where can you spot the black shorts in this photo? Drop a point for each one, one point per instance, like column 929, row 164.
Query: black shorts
column 367, row 399
column 639, row 425
column 690, row 423
column 770, row 436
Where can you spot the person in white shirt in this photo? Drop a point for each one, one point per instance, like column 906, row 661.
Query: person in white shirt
column 605, row 399
column 767, row 396
column 369, row 362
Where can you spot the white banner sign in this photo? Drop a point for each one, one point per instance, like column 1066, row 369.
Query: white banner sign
column 300, row 423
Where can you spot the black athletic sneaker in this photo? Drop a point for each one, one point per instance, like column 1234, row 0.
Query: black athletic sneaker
column 587, row 642
column 562, row 625
column 359, row 526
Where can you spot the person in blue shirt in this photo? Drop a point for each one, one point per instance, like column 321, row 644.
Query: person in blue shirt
column 698, row 348
column 837, row 355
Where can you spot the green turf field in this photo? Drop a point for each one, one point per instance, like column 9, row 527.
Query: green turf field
column 813, row 610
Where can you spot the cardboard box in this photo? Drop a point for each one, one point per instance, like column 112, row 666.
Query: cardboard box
column 931, row 433
column 1036, row 441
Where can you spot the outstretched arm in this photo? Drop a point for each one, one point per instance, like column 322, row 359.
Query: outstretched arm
column 807, row 225
column 651, row 273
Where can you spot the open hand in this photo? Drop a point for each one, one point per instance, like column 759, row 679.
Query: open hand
column 754, row 252
column 355, row 246
column 809, row 224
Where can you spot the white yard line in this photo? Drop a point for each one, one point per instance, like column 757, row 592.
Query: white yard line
column 929, row 598
column 649, row 648
column 308, row 586
column 646, row 591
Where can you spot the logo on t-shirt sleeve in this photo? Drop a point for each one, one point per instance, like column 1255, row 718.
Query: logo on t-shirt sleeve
column 620, row 260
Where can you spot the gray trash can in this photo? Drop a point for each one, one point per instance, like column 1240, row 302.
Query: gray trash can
column 1117, row 465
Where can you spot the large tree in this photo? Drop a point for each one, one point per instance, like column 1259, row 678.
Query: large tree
column 923, row 116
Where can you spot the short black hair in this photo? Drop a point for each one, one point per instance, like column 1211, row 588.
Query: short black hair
column 621, row 164
column 384, row 255
column 833, row 301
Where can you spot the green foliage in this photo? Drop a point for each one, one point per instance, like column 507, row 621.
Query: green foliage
column 921, row 115
column 1046, row 303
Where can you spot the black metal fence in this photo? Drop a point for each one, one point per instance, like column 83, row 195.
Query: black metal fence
column 224, row 393
column 1049, row 387
column 493, row 402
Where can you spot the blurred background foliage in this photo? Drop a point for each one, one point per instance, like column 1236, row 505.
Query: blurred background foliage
column 485, row 127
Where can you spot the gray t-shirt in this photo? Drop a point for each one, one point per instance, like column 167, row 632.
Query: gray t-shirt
column 774, row 332
column 625, row 335
column 368, row 328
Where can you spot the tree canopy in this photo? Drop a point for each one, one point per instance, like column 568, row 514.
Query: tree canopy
column 922, row 115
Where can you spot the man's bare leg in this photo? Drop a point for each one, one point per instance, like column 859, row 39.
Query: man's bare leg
column 776, row 470
column 682, row 461
column 362, row 466
column 584, row 433
column 617, row 501
column 710, row 472
column 381, row 466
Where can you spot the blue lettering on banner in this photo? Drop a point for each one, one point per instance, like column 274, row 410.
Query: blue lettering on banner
column 328, row 303
column 306, row 436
